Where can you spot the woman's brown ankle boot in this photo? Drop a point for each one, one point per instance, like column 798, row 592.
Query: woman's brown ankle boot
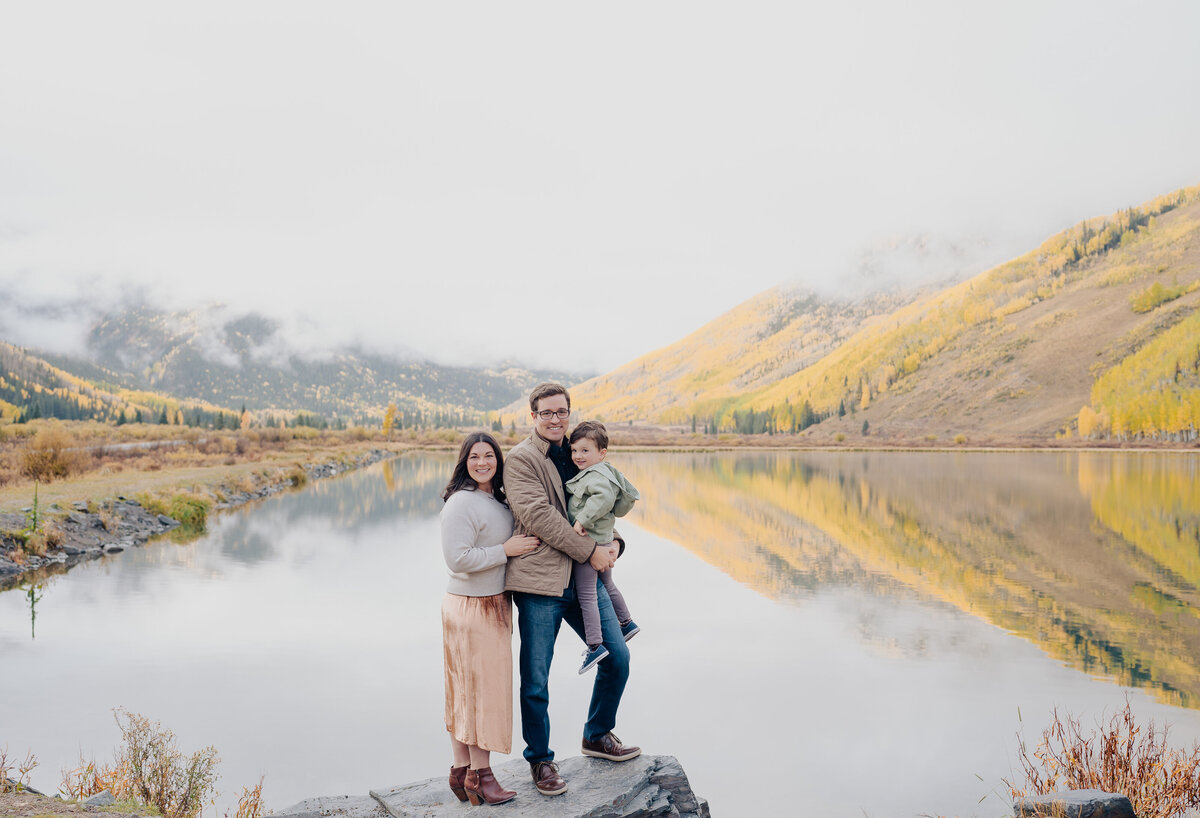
column 457, row 776
column 482, row 788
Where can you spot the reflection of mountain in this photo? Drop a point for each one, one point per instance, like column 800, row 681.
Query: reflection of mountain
column 1108, row 581
column 404, row 488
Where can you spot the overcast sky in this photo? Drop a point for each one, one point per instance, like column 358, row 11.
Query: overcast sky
column 565, row 184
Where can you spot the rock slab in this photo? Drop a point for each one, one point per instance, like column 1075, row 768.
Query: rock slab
column 642, row 787
column 340, row 806
column 1075, row 804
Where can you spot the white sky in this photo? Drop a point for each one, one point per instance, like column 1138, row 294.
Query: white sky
column 565, row 184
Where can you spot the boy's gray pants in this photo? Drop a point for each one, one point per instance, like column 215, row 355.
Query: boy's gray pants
column 585, row 590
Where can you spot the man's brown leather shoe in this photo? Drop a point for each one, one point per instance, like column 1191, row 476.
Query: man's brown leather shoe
column 610, row 747
column 546, row 778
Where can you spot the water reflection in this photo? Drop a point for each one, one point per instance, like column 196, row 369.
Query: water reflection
column 305, row 627
column 1094, row 557
column 34, row 591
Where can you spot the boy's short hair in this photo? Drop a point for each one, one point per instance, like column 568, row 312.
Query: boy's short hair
column 547, row 390
column 593, row 430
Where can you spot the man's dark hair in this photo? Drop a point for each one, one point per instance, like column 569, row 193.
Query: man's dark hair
column 547, row 390
column 593, row 430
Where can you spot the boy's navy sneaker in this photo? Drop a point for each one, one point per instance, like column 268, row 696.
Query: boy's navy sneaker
column 591, row 656
column 630, row 630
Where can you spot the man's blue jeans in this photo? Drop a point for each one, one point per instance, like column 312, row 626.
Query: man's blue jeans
column 538, row 621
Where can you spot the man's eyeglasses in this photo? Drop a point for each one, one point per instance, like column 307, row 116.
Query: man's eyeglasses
column 561, row 414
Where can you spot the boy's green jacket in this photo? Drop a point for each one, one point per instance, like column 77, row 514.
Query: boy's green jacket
column 598, row 495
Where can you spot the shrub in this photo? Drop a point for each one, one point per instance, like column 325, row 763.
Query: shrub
column 960, row 439
column 1153, row 296
column 157, row 773
column 23, row 769
column 1119, row 757
column 108, row 518
column 88, row 779
column 150, row 748
column 48, row 536
column 297, row 476
column 52, row 453
column 190, row 510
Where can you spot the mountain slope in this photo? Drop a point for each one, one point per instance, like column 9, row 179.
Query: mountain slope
column 31, row 387
column 236, row 360
column 772, row 336
column 1014, row 351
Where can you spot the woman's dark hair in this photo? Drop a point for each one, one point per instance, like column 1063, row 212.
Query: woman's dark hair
column 460, row 480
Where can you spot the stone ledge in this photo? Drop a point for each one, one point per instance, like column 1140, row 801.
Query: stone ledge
column 642, row 787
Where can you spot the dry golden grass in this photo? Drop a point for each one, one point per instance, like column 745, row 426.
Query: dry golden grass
column 130, row 460
column 250, row 804
column 150, row 771
column 22, row 769
column 1121, row 756
column 53, row 453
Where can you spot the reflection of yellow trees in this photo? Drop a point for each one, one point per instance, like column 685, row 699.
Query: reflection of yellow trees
column 1022, row 552
column 1153, row 501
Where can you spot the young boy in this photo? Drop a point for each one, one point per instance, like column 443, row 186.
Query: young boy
column 598, row 495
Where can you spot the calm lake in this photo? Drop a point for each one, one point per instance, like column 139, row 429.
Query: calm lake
column 837, row 634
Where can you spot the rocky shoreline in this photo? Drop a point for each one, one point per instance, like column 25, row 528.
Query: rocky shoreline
column 89, row 532
column 644, row 787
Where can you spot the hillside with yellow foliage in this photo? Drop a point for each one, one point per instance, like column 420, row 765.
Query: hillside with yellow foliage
column 1092, row 334
column 29, row 381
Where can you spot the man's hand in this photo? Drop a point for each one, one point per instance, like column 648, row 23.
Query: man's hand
column 604, row 557
column 579, row 529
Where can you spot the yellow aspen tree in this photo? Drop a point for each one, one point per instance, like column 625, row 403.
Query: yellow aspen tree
column 1087, row 422
column 389, row 419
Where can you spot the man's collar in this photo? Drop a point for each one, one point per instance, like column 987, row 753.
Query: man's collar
column 542, row 444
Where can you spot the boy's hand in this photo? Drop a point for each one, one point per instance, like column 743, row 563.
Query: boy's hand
column 579, row 528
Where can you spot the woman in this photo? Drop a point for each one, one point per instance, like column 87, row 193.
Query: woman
column 476, row 618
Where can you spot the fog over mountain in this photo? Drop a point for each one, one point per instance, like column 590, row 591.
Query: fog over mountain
column 478, row 182
column 234, row 358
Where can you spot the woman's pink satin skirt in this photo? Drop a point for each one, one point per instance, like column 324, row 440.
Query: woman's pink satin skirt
column 477, row 640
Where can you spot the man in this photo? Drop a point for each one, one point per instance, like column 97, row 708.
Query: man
column 534, row 473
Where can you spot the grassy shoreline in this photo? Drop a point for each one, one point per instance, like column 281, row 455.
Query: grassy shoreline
column 105, row 462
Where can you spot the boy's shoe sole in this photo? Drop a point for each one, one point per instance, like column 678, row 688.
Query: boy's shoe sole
column 636, row 630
